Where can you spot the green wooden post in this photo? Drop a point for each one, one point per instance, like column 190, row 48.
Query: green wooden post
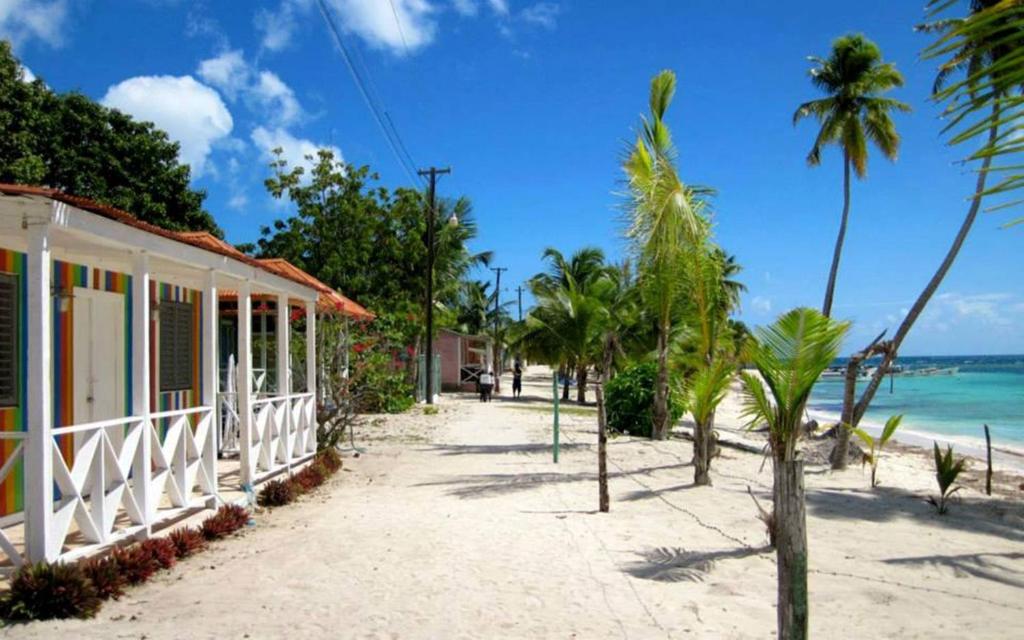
column 554, row 389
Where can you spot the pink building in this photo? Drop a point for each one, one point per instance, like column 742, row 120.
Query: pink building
column 463, row 359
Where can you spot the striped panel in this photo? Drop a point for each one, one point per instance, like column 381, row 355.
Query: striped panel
column 171, row 400
column 14, row 418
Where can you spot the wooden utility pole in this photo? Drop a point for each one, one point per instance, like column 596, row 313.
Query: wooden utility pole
column 519, row 291
column 431, row 174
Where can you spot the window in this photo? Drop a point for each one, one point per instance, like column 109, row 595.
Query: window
column 176, row 348
column 9, row 356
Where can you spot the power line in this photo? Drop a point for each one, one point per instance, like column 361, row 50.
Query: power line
column 361, row 84
column 398, row 23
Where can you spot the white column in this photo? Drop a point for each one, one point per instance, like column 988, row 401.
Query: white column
column 245, row 382
column 142, row 467
column 284, row 378
column 39, row 534
column 211, row 378
column 311, row 370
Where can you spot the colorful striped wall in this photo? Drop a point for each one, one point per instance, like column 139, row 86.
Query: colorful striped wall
column 66, row 276
column 13, row 418
column 170, row 400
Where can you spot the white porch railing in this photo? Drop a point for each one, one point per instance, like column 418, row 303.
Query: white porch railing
column 111, row 491
column 284, row 433
column 6, row 546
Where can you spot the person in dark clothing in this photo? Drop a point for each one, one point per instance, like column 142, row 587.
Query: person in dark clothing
column 486, row 386
column 517, row 380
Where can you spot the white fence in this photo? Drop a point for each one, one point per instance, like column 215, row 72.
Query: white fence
column 284, row 433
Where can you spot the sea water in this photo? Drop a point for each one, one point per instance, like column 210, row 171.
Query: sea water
column 985, row 390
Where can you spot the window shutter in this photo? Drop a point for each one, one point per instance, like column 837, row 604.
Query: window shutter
column 176, row 348
column 9, row 316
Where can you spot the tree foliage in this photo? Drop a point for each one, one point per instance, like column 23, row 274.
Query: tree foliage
column 69, row 142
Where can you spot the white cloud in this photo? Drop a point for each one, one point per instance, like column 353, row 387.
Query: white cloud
column 229, row 72
column 279, row 26
column 277, row 98
column 396, row 26
column 238, row 201
column 499, row 7
column 23, row 20
column 27, row 75
column 544, row 14
column 466, row 7
column 761, row 305
column 989, row 308
column 191, row 113
column 293, row 150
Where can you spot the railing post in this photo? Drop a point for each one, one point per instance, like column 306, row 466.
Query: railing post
column 310, row 421
column 248, row 469
column 39, row 534
column 211, row 381
column 142, row 467
column 284, row 378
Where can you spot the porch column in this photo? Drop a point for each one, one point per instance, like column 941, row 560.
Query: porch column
column 211, row 380
column 244, row 386
column 40, row 541
column 284, row 378
column 142, row 467
column 311, row 370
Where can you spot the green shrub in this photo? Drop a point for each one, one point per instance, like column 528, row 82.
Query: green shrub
column 629, row 400
column 947, row 469
column 47, row 591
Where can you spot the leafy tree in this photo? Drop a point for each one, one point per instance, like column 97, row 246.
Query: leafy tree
column 789, row 355
column 664, row 218
column 71, row 143
column 853, row 113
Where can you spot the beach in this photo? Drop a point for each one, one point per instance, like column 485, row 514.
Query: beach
column 460, row 525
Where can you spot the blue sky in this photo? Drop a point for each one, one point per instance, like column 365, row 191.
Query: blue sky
column 532, row 102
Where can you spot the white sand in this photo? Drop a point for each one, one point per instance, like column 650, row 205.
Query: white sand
column 459, row 525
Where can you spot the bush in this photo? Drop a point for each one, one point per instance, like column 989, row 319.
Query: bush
column 311, row 477
column 136, row 564
column 629, row 400
column 227, row 520
column 105, row 576
column 330, row 459
column 947, row 469
column 49, row 591
column 162, row 550
column 276, row 493
column 187, row 541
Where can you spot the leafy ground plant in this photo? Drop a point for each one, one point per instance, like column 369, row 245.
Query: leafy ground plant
column 163, row 551
column 227, row 520
column 47, row 591
column 187, row 541
column 136, row 564
column 277, row 493
column 875, row 445
column 105, row 576
column 947, row 469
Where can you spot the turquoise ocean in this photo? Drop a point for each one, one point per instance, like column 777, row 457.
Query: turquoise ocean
column 985, row 390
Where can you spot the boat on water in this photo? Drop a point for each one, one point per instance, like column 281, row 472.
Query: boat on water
column 930, row 371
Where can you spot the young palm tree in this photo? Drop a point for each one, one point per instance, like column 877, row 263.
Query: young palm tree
column 663, row 218
column 789, row 355
column 853, row 113
column 987, row 47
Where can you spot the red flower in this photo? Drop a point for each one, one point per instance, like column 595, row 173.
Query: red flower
column 297, row 313
column 411, row 350
column 359, row 347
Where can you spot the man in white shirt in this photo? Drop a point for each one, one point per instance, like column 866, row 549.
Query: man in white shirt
column 486, row 385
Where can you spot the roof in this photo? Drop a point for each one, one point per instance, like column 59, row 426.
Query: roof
column 328, row 297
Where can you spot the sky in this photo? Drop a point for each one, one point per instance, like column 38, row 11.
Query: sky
column 532, row 103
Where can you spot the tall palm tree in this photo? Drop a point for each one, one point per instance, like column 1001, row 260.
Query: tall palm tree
column 789, row 355
column 987, row 47
column 584, row 266
column 853, row 113
column 663, row 218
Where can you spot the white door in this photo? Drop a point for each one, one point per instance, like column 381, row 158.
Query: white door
column 98, row 326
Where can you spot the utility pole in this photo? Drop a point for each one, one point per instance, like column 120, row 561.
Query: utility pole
column 519, row 290
column 432, row 174
column 497, row 318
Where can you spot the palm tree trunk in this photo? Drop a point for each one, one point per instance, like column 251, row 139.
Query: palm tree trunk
column 791, row 549
column 661, row 426
column 603, row 501
column 702, row 453
column 892, row 348
column 826, row 308
column 581, row 385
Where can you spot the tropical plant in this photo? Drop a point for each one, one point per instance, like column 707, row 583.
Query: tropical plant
column 228, row 519
column 187, row 541
column 789, row 355
column 704, row 392
column 629, row 400
column 663, row 218
column 986, row 47
column 135, row 563
column 875, row 445
column 105, row 577
column 853, row 113
column 276, row 493
column 162, row 550
column 947, row 470
column 45, row 591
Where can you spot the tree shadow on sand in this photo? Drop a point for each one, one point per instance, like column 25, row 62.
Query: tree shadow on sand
column 489, row 485
column 986, row 566
column 676, row 564
column 499, row 449
column 884, row 504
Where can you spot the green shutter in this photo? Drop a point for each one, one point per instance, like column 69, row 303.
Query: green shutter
column 9, row 316
column 176, row 349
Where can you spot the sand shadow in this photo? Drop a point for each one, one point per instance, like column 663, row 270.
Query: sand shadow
column 645, row 494
column 884, row 504
column 676, row 564
column 493, row 449
column 978, row 565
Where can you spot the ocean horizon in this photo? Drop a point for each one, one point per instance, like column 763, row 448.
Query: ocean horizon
column 984, row 390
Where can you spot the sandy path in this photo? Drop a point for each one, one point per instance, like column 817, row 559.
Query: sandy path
column 458, row 525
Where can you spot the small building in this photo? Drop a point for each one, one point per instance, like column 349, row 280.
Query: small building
column 463, row 358
column 110, row 384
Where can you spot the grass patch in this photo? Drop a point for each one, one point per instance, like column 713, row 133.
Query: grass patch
column 570, row 410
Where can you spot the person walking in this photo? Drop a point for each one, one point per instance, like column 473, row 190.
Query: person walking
column 517, row 380
column 486, row 385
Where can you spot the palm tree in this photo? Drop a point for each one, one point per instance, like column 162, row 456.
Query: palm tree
column 987, row 46
column 853, row 113
column 583, row 267
column 789, row 355
column 663, row 218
